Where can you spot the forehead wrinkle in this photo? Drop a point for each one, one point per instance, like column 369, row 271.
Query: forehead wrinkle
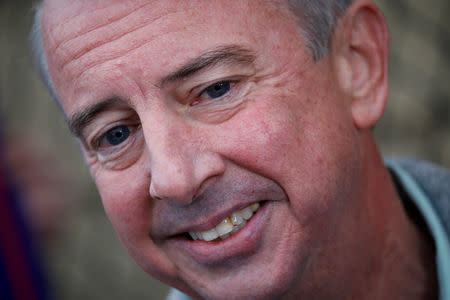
column 58, row 27
column 69, row 49
column 72, row 43
column 115, row 55
column 78, row 22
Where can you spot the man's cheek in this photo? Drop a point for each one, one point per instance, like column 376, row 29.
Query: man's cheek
column 277, row 137
column 125, row 202
column 258, row 137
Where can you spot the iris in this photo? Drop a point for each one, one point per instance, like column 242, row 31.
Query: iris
column 117, row 135
column 218, row 89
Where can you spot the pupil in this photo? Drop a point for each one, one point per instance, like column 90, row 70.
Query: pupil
column 218, row 89
column 117, row 135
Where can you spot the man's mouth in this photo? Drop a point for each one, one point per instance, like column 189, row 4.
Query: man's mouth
column 229, row 226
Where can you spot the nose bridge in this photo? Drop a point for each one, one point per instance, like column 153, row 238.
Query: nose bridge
column 172, row 155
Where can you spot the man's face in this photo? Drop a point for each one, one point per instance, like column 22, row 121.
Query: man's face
column 189, row 111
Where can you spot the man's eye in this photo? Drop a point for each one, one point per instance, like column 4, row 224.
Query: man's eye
column 117, row 135
column 218, row 89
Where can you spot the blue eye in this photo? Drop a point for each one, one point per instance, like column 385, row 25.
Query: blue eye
column 218, row 89
column 117, row 135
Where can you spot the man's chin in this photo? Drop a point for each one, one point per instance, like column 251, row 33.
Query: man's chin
column 258, row 277
column 266, row 285
column 263, row 260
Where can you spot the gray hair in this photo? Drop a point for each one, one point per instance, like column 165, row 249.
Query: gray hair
column 38, row 54
column 317, row 19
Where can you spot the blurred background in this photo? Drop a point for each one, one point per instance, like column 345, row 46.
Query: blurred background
column 81, row 252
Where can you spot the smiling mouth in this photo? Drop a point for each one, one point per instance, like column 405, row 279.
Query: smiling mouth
column 229, row 226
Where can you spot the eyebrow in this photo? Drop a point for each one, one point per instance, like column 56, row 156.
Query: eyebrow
column 228, row 55
column 83, row 118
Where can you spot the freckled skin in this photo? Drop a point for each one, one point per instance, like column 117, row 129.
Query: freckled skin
column 293, row 135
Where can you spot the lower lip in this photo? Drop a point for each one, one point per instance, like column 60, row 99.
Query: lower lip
column 243, row 242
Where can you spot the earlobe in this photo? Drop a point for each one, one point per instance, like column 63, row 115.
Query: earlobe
column 360, row 54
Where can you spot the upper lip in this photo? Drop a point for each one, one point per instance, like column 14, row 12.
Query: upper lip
column 169, row 219
column 205, row 223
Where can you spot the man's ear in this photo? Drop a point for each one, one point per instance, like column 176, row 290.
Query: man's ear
column 360, row 50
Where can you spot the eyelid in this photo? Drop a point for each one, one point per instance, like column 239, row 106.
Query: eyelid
column 198, row 91
column 97, row 140
column 124, row 154
column 107, row 120
column 93, row 140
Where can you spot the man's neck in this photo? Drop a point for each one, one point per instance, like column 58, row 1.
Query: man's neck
column 407, row 266
column 377, row 251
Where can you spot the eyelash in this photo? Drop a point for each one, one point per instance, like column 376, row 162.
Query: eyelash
column 203, row 89
column 95, row 144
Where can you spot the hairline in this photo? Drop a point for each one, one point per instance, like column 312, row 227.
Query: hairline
column 38, row 56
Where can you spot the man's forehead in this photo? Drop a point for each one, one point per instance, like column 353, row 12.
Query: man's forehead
column 72, row 28
column 66, row 19
column 76, row 32
column 91, row 42
column 62, row 16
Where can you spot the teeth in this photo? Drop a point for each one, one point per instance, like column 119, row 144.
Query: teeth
column 194, row 235
column 224, row 227
column 209, row 235
column 254, row 207
column 246, row 213
column 227, row 227
column 239, row 227
column 236, row 218
column 225, row 236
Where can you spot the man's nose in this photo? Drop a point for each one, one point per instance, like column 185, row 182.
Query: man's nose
column 180, row 164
